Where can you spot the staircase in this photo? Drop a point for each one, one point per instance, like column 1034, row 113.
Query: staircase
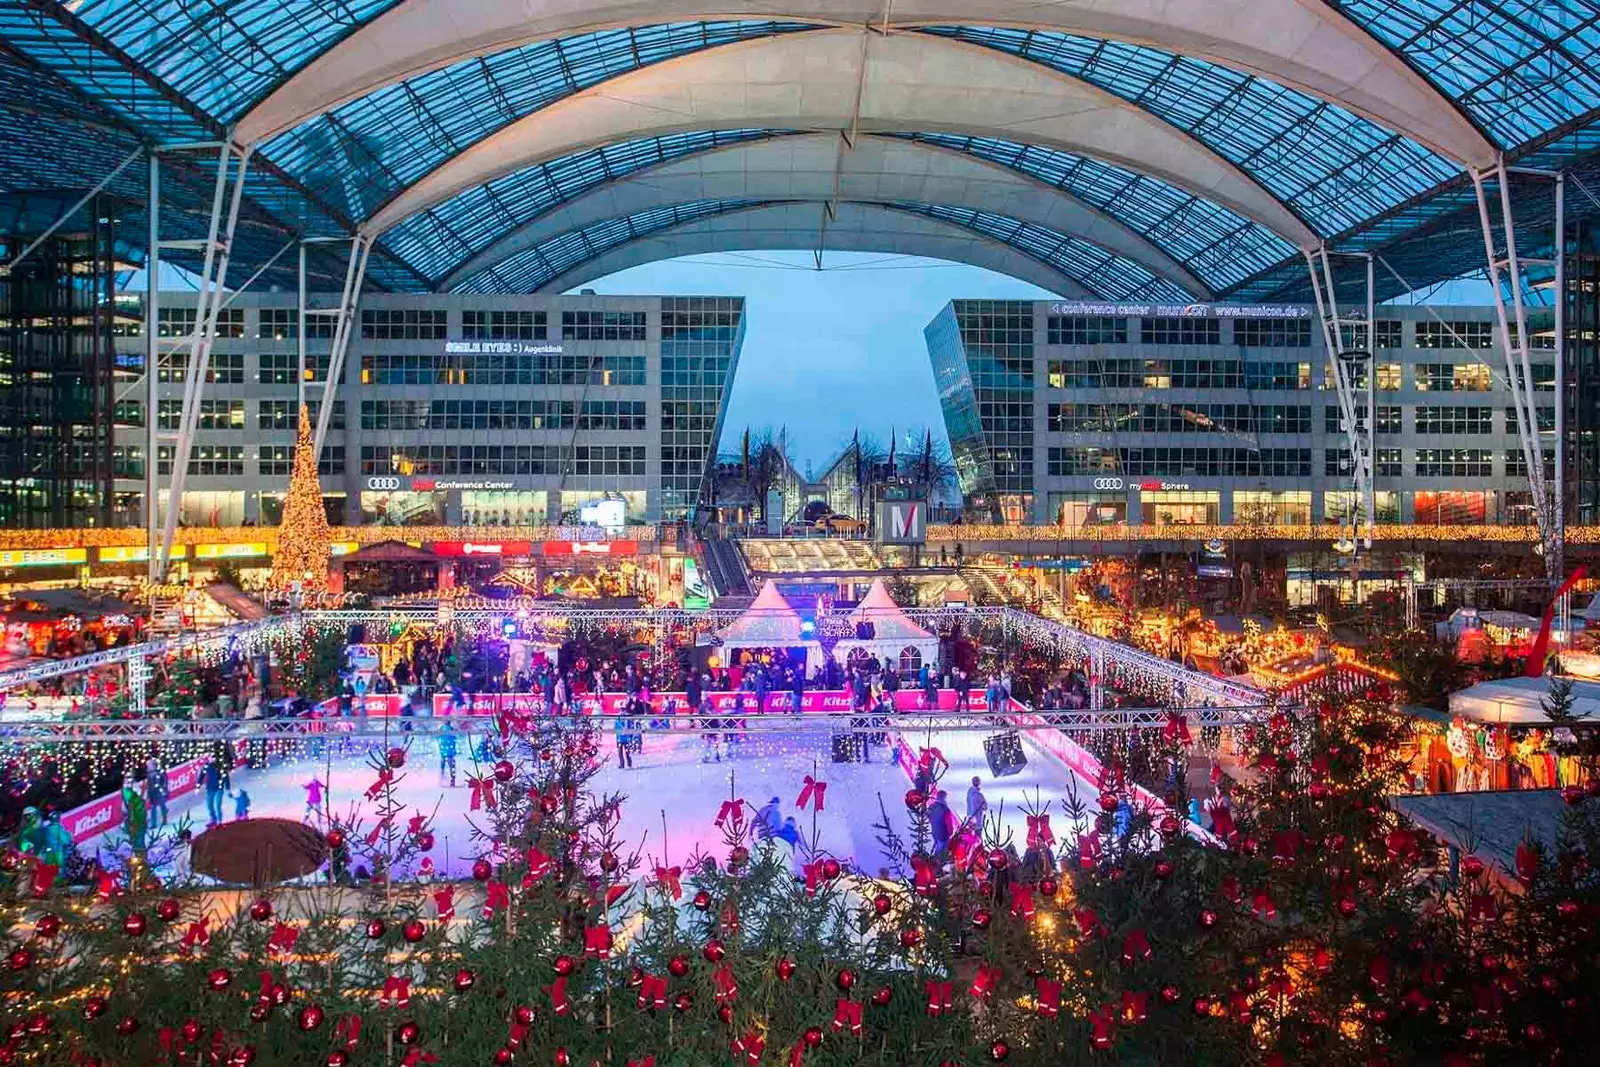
column 166, row 616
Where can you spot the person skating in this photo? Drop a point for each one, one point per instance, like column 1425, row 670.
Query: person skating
column 447, row 752
column 941, row 823
column 313, row 790
column 769, row 819
column 212, row 777
column 241, row 806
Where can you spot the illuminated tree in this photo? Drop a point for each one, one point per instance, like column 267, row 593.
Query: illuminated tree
column 303, row 542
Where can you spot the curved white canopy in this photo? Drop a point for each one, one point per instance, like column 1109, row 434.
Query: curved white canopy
column 814, row 81
column 822, row 167
column 1302, row 44
column 858, row 228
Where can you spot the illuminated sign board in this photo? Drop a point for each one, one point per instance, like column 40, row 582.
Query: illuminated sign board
column 343, row 548
column 501, row 348
column 134, row 553
column 482, row 548
column 43, row 557
column 591, row 548
column 1158, row 486
column 1182, row 311
column 243, row 550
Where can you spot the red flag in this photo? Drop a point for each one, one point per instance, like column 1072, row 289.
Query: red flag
column 1541, row 645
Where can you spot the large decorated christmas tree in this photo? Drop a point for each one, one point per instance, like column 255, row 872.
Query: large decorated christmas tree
column 304, row 545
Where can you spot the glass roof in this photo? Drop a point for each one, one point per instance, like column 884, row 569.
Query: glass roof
column 362, row 154
column 440, row 240
column 1520, row 68
column 533, row 269
column 1218, row 246
column 1332, row 168
column 1102, row 273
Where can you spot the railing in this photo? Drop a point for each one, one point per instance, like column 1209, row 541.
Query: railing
column 1528, row 535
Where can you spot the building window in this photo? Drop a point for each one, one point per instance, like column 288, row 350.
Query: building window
column 1434, row 334
column 1453, row 377
column 277, row 460
column 503, row 325
column 1390, row 418
column 1171, row 462
column 1341, row 505
column 1180, row 331
column 1391, row 379
column 1175, row 508
column 224, row 368
column 1389, row 333
column 1277, row 376
column 1272, row 333
column 604, row 326
column 608, row 460
column 628, row 415
column 206, row 460
column 402, row 324
column 179, row 322
column 1290, row 508
column 1546, row 416
column 1455, row 420
column 1454, row 463
column 281, row 324
column 1086, row 330
column 128, row 413
column 1544, row 377
column 1386, row 463
column 1517, row 464
column 285, row 414
column 1451, row 508
column 279, row 368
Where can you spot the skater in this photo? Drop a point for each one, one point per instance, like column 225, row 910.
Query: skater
column 930, row 689
column 313, row 790
column 213, row 778
column 769, row 819
column 181, row 869
column 136, row 820
column 447, row 752
column 977, row 803
column 788, row 832
column 941, row 822
column 963, row 691
column 155, row 791
column 241, row 806
column 624, row 741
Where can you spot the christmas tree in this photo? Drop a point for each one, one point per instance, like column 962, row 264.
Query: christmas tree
column 303, row 542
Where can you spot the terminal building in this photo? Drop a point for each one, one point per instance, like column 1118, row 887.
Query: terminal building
column 455, row 410
column 1092, row 413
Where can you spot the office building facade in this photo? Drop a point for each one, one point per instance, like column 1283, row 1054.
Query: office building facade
column 1076, row 414
column 453, row 409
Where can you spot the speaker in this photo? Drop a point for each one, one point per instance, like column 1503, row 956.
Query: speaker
column 1004, row 753
column 357, row 634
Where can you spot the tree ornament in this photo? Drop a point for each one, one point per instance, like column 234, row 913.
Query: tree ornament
column 309, row 1018
column 127, row 1026
column 916, row 799
column 335, row 839
column 425, row 841
column 678, row 966
column 1169, row 825
column 168, row 910
column 465, row 979
column 1574, row 795
column 910, row 937
column 784, row 968
column 219, row 979
column 20, row 959
column 1169, row 994
column 562, row 1059
column 482, row 869
column 1202, row 1006
column 549, row 803
column 565, row 965
column 981, row 919
column 608, row 862
column 812, row 1037
column 725, row 1015
column 134, row 925
column 881, row 904
column 339, row 1058
column 830, row 868
column 94, row 1007
column 1162, row 869
column 376, row 929
column 408, row 1033
column 243, row 1056
column 523, row 1015
column 714, row 951
column 845, row 979
column 261, row 910
column 1048, row 886
column 999, row 1051
column 739, row 856
column 502, row 1056
column 1208, row 918
column 682, row 1002
column 414, row 931
column 997, row 860
column 396, row 757
column 702, row 900
column 881, row 997
column 1472, row 867
column 48, row 926
column 504, row 771
column 1108, row 802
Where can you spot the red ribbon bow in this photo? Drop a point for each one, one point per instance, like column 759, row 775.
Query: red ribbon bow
column 939, row 998
column 1102, row 1027
column 1088, row 922
column 728, row 920
column 559, row 1003
column 648, row 1061
column 519, row 1031
column 847, row 1012
column 1022, row 901
column 497, row 895
column 750, row 1046
column 667, row 879
column 597, row 941
column 538, row 863
column 348, row 1029
column 925, row 878
column 813, row 874
column 1049, row 997
column 1526, row 862
column 385, row 776
column 1039, row 832
column 724, row 988
column 1176, row 731
column 44, row 876
column 809, row 790
column 1230, row 889
column 199, row 933
column 482, row 793
column 731, row 809
column 1088, row 849
column 107, row 886
column 416, row 1056
column 377, row 831
column 983, row 985
column 652, row 992
column 396, row 992
column 283, row 938
column 1263, row 906
column 445, row 901
column 1135, row 947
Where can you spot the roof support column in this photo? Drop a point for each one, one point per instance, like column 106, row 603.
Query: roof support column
column 1356, row 405
column 354, row 276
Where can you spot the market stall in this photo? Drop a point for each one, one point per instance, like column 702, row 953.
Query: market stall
column 882, row 629
column 768, row 623
column 1501, row 736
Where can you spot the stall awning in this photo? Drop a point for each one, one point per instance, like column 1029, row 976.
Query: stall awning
column 1517, row 701
column 768, row 621
column 889, row 621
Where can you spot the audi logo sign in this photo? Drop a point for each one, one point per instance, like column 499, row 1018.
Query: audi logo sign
column 383, row 483
column 1108, row 483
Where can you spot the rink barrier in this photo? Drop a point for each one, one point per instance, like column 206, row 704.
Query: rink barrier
column 105, row 814
column 813, row 701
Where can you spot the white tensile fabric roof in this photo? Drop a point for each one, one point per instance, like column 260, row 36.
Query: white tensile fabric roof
column 769, row 620
column 889, row 622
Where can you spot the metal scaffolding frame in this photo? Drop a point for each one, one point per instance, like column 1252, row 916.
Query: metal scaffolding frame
column 1338, row 333
column 1507, row 276
column 344, row 325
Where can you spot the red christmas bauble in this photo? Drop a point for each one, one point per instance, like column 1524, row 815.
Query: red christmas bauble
column 1347, row 906
column 94, row 1007
column 1048, row 886
column 49, row 925
column 784, row 968
column 702, row 900
column 38, row 1025
column 310, row 1017
column 134, row 925
column 425, row 841
column 812, row 1037
column 608, row 861
column 502, row 1056
column 504, row 771
column 482, row 869
column 739, row 856
column 1162, row 869
column 1208, row 918
column 261, row 910
column 830, row 868
column 725, row 1015
column 1472, row 867
column 414, row 931
column 549, row 803
column 881, row 904
column 981, row 919
column 999, row 1050
column 1169, row 825
column 915, row 799
column 682, row 1002
column 910, row 937
column 1568, row 909
column 1201, row 1006
column 523, row 1015
column 336, row 839
column 1169, row 994
column 219, row 979
column 243, row 1056
column 562, row 1059
column 376, row 929
column 714, row 951
column 408, row 1033
column 20, row 959
column 464, row 980
column 881, row 997
column 845, row 979
column 127, row 1026
column 1108, row 802
column 565, row 965
column 397, row 757
column 280, row 995
column 339, row 1058
column 678, row 966
column 168, row 910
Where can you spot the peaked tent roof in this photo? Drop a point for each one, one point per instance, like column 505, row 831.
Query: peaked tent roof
column 889, row 621
column 769, row 620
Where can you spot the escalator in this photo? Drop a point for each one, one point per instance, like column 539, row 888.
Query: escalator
column 725, row 568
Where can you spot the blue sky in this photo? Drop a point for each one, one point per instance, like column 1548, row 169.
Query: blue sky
column 826, row 352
